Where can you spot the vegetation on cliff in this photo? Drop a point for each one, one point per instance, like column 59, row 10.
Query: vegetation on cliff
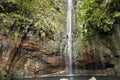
column 97, row 16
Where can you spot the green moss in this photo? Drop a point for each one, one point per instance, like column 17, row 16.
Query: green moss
column 6, row 75
column 117, row 68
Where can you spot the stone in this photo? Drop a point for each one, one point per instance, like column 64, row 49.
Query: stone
column 32, row 66
column 93, row 78
column 63, row 79
column 117, row 68
column 110, row 71
column 55, row 61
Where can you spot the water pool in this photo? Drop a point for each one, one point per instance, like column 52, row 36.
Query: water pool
column 85, row 77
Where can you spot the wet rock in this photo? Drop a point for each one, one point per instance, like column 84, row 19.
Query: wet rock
column 107, row 48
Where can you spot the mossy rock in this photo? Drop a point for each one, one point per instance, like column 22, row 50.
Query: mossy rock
column 117, row 68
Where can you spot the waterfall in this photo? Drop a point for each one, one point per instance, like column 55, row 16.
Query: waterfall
column 69, row 38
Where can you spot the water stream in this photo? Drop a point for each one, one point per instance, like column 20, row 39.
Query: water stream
column 69, row 38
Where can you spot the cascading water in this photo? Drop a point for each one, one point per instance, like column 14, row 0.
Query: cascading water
column 69, row 38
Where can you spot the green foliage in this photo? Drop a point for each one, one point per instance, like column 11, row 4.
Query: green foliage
column 97, row 15
column 93, row 18
column 44, row 18
column 49, row 18
column 6, row 75
column 27, row 4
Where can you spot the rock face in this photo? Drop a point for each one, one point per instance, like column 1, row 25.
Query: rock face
column 108, row 46
column 25, row 58
column 102, row 52
column 56, row 61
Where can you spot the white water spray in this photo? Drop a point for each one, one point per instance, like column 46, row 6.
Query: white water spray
column 69, row 38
